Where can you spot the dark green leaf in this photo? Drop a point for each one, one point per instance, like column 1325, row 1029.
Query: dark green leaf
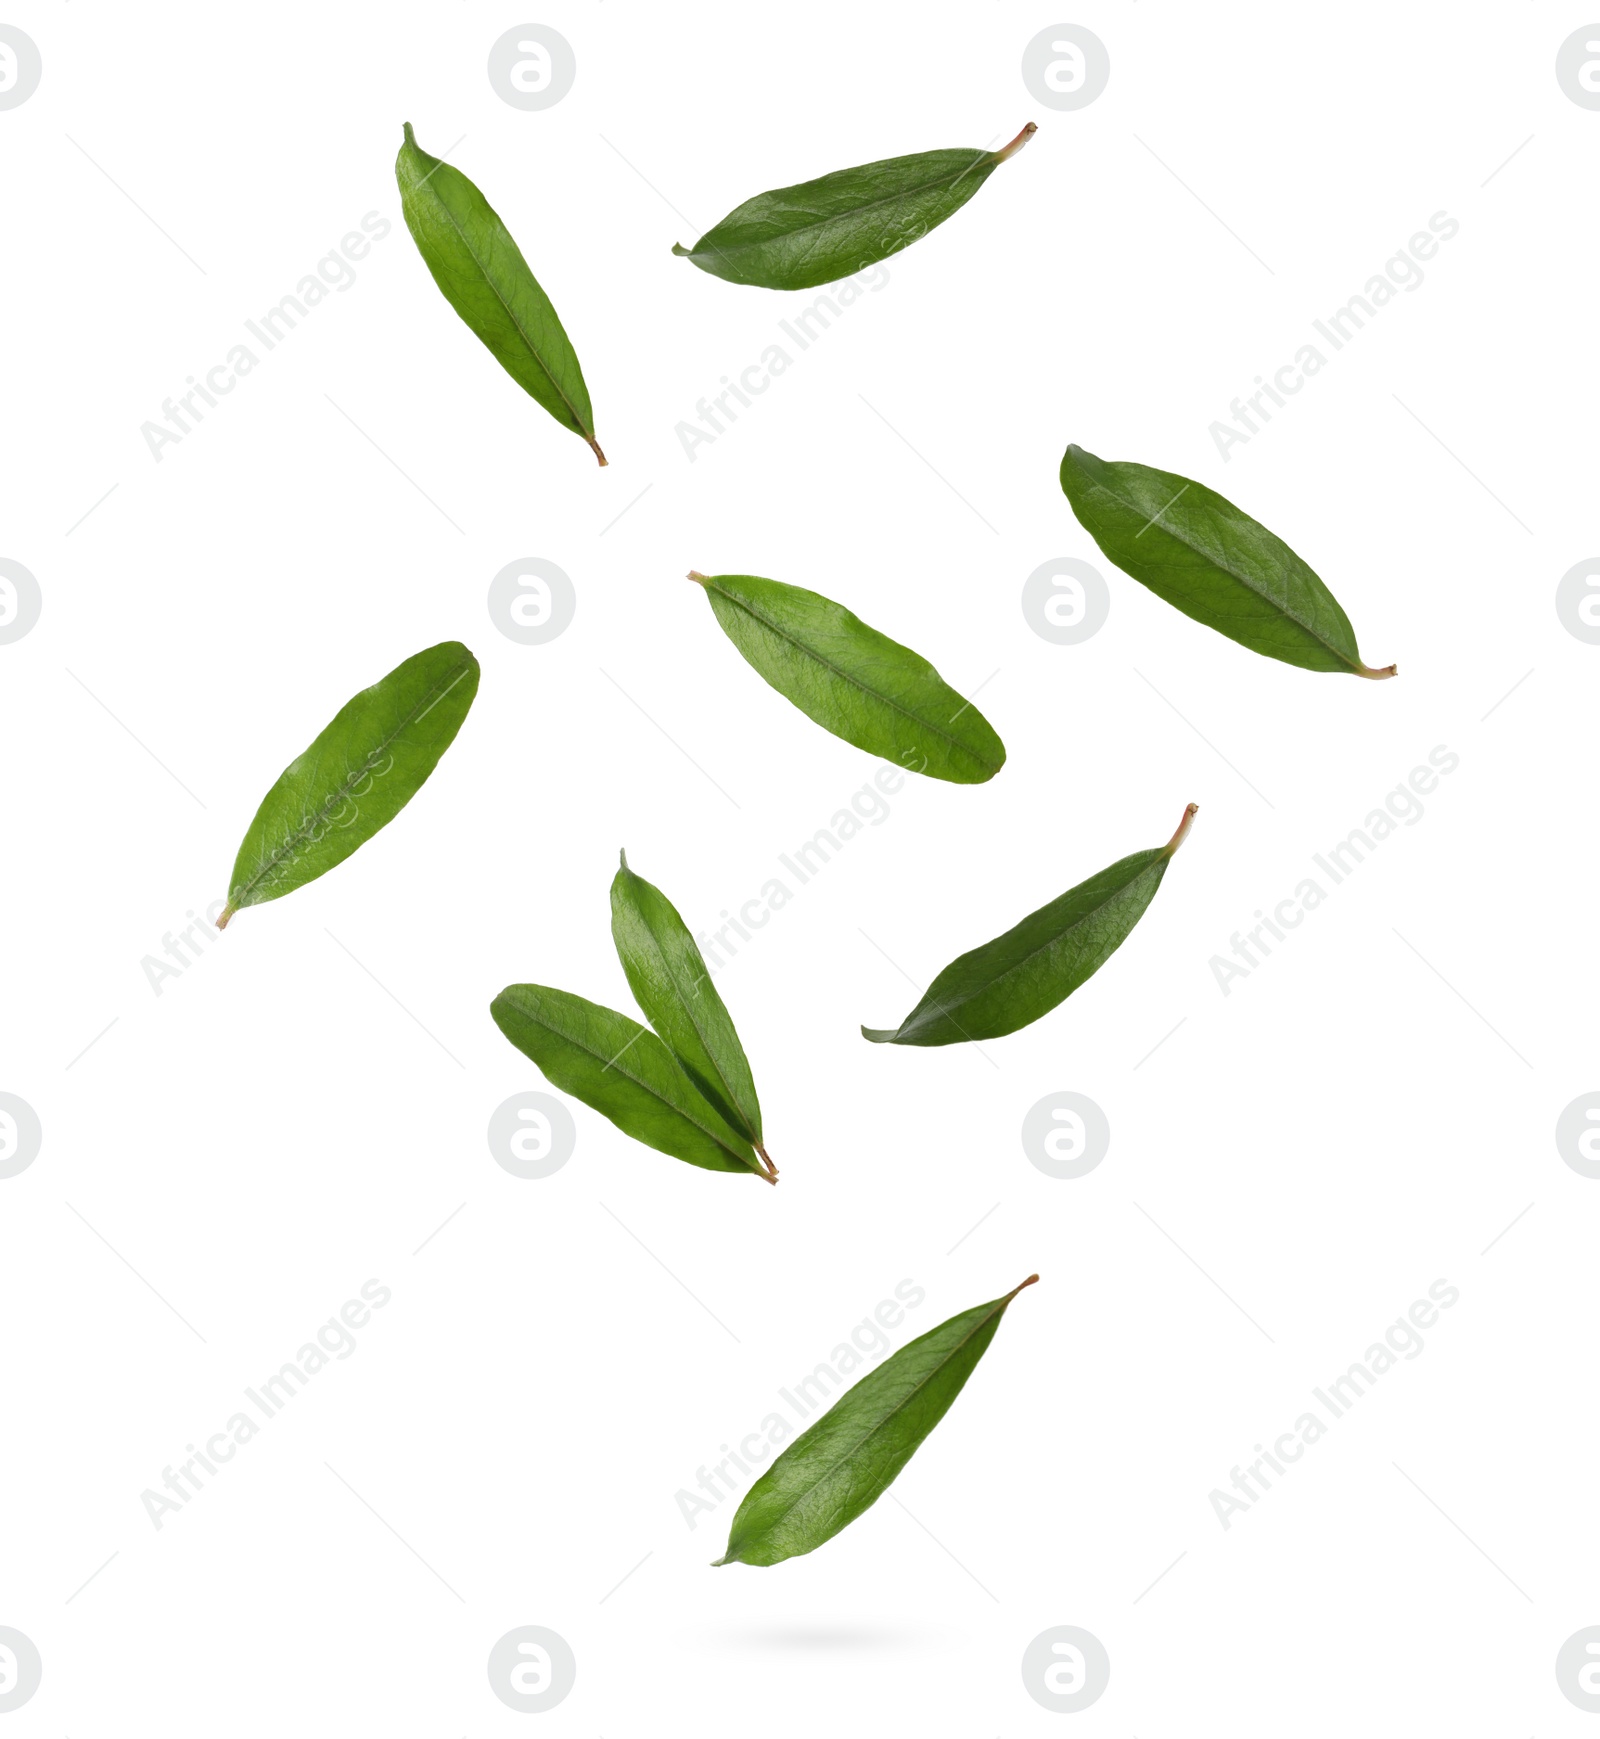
column 842, row 1465
column 1212, row 561
column 362, row 770
column 485, row 279
column 854, row 681
column 623, row 1071
column 795, row 238
column 670, row 979
column 1009, row 982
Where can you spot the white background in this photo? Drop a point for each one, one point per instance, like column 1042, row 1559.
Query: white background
column 1293, row 1166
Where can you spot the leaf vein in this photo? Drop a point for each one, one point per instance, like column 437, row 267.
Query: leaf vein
column 585, row 429
column 628, row 1074
column 842, row 217
column 341, row 793
column 855, row 681
column 898, row 1408
column 1224, row 564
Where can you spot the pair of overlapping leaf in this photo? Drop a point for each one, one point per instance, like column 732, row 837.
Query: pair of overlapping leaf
column 684, row 1089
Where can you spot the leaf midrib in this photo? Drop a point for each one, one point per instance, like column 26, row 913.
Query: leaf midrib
column 699, row 1031
column 341, row 792
column 856, row 682
column 616, row 1063
column 894, row 1412
column 1017, row 966
column 533, row 350
column 838, row 217
column 1243, row 579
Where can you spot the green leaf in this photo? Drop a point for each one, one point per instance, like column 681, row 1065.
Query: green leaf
column 1009, row 982
column 854, row 681
column 1212, row 561
column 362, row 770
column 842, row 1465
column 485, row 279
column 795, row 238
column 672, row 984
column 623, row 1071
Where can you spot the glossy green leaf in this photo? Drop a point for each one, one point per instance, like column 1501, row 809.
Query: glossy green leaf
column 623, row 1071
column 485, row 279
column 795, row 238
column 1009, row 982
column 1212, row 561
column 842, row 1465
column 672, row 984
column 362, row 770
column 854, row 681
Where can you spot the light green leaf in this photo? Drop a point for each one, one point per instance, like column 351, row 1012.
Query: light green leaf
column 854, row 681
column 361, row 771
column 1206, row 557
column 485, row 279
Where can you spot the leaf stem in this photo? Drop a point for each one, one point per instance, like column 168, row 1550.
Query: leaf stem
column 597, row 453
column 771, row 1172
column 1377, row 675
column 1008, row 151
column 1183, row 830
column 1032, row 1280
column 227, row 913
column 699, row 579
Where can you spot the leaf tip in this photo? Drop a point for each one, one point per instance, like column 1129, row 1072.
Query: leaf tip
column 681, row 251
column 622, row 856
column 877, row 1035
column 410, row 137
column 227, row 913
